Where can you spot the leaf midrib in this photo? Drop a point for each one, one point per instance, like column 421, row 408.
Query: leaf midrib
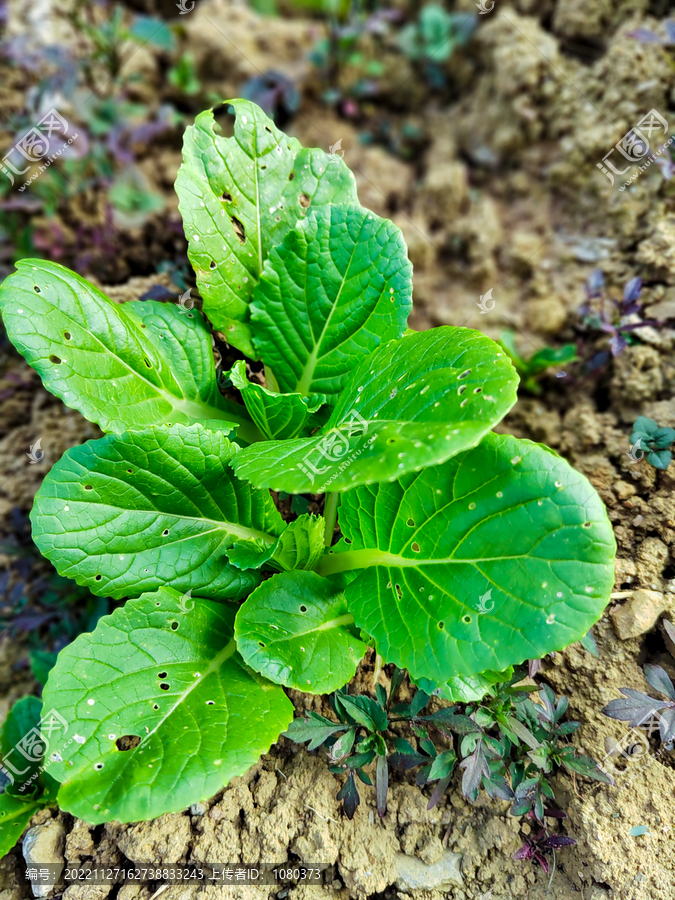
column 243, row 531
column 345, row 619
column 305, row 382
column 361, row 559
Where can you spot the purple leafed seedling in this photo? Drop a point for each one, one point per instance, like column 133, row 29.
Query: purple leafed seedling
column 536, row 846
column 616, row 318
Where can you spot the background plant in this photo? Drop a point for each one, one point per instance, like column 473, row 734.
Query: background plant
column 653, row 441
column 504, row 743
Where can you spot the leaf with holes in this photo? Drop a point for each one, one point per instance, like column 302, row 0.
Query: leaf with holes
column 118, row 368
column 510, row 516
column 412, row 403
column 338, row 287
column 278, row 416
column 238, row 197
column 130, row 513
column 295, row 630
column 160, row 701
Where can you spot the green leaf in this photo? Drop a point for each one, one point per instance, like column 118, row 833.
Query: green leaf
column 413, row 403
column 41, row 661
column 98, row 357
column 238, row 197
column 443, row 765
column 153, row 31
column 365, row 711
column 464, row 689
column 173, row 680
column 15, row 814
column 660, row 459
column 551, row 356
column 587, row 766
column 295, row 630
column 133, row 512
column 589, row 644
column 458, row 723
column 21, row 745
column 338, row 286
column 513, row 727
column 184, row 339
column 312, row 729
column 418, row 702
column 644, row 425
column 300, row 546
column 508, row 515
column 278, row 416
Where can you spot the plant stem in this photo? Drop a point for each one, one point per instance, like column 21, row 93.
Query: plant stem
column 548, row 889
column 330, row 514
column 377, row 669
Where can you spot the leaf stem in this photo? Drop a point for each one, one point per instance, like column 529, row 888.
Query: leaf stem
column 548, row 889
column 377, row 668
column 330, row 514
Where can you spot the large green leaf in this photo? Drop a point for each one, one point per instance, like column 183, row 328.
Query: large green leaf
column 238, row 198
column 415, row 402
column 15, row 814
column 130, row 513
column 510, row 517
column 278, row 416
column 296, row 630
column 172, row 683
column 118, row 368
column 338, row 287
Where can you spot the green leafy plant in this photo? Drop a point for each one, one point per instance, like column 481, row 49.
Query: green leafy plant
column 437, row 34
column 182, row 687
column 652, row 442
column 505, row 743
column 183, row 75
column 27, row 786
column 531, row 370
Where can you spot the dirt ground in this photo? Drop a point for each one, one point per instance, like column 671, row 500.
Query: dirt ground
column 506, row 196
